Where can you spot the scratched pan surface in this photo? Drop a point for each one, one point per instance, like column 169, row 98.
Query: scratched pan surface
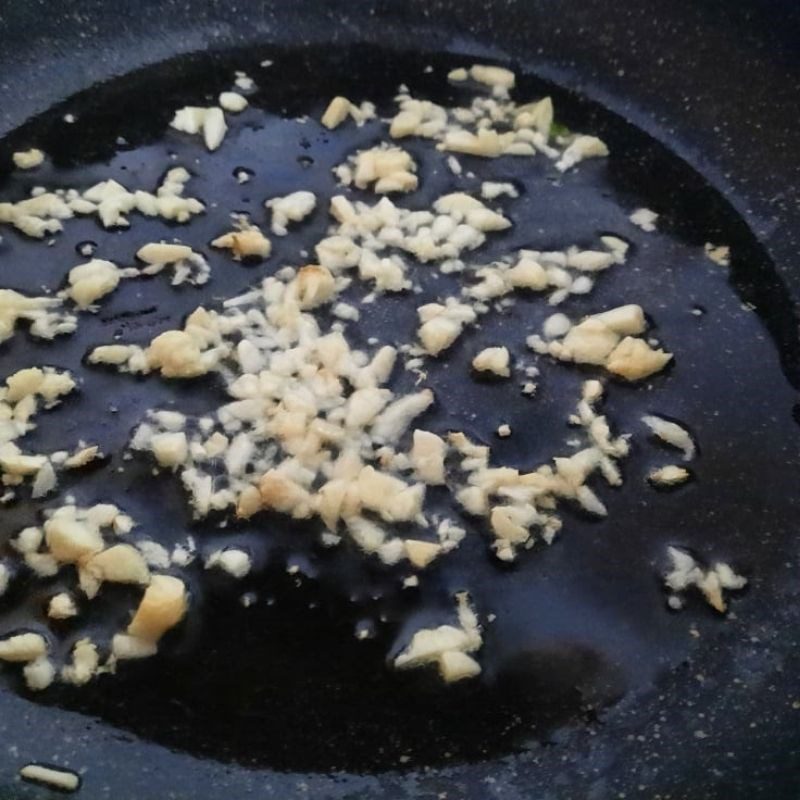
column 592, row 688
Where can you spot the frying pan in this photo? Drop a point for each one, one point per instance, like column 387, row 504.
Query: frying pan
column 615, row 698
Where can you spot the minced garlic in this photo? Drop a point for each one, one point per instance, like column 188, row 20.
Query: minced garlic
column 60, row 779
column 294, row 207
column 208, row 121
column 28, row 159
column 670, row 475
column 247, row 243
column 493, row 359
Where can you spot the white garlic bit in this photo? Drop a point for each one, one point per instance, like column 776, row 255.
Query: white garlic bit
column 448, row 646
column 28, row 159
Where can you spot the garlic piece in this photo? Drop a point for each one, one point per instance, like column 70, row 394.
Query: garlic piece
column 498, row 78
column 671, row 475
column 645, row 219
column 90, row 281
column 23, row 647
column 163, row 606
column 62, row 606
column 28, row 159
column 493, row 359
column 85, row 662
column 421, row 553
column 60, row 779
column 581, row 148
column 294, row 207
column 232, row 102
column 248, row 243
column 208, row 121
column 390, row 169
column 427, row 457
column 314, row 286
column 170, row 448
column 121, row 563
column 445, row 645
column 236, row 563
column 634, row 359
column 672, row 434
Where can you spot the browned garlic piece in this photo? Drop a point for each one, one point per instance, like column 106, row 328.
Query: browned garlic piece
column 163, row 606
column 448, row 646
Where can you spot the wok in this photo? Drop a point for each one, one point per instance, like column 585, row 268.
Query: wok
column 605, row 698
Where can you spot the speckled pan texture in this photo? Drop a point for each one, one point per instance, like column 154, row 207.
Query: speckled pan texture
column 593, row 688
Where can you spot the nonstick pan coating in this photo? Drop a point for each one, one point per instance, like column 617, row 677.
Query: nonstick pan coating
column 688, row 77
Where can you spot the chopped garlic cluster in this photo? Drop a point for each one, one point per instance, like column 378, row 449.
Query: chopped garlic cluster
column 89, row 540
column 311, row 427
column 210, row 122
column 492, row 126
column 305, row 407
column 520, row 505
column 187, row 265
column 448, row 647
column 294, row 207
column 386, row 169
column 42, row 214
column 23, row 395
column 686, row 573
column 561, row 273
column 611, row 340
column 456, row 223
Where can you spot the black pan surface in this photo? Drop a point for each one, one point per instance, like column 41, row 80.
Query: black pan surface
column 710, row 715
